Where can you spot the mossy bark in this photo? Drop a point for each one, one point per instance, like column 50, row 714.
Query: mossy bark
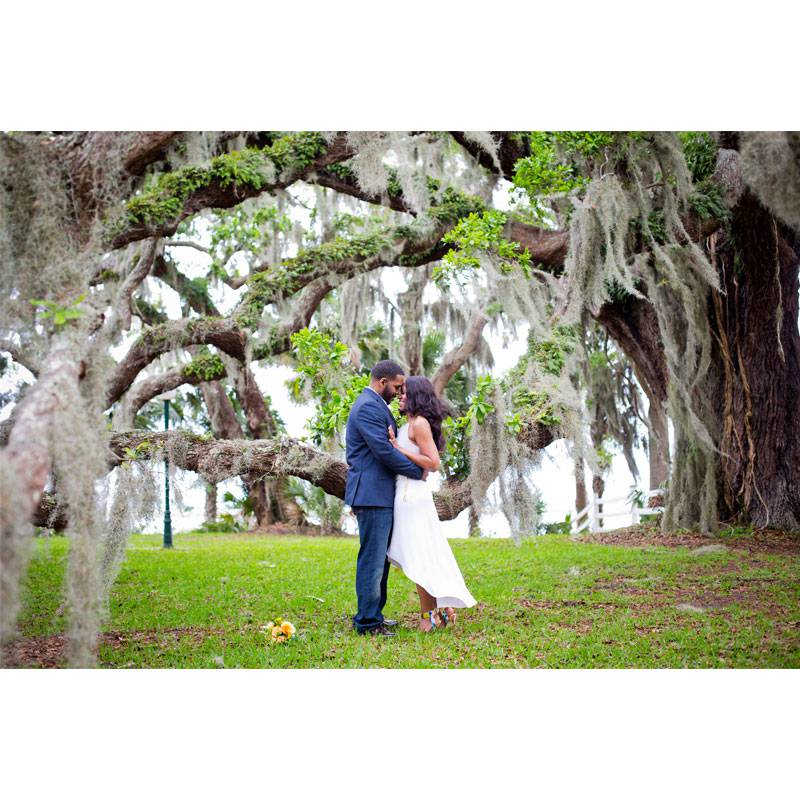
column 211, row 502
column 756, row 385
column 658, row 445
column 581, row 498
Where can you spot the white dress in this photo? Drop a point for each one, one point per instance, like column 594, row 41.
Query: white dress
column 419, row 546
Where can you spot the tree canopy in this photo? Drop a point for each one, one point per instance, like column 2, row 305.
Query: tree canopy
column 653, row 263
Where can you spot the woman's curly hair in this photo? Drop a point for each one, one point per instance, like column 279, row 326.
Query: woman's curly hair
column 422, row 401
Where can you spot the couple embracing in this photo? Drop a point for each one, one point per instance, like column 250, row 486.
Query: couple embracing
column 393, row 503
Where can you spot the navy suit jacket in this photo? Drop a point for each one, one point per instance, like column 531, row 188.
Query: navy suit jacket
column 371, row 459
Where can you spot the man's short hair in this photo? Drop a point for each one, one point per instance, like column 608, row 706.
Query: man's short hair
column 386, row 369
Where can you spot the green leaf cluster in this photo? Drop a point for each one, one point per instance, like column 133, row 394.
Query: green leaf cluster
column 450, row 205
column 242, row 230
column 604, row 457
column 551, row 167
column 267, row 286
column 206, row 366
column 535, row 406
column 527, row 405
column 58, row 314
column 331, row 416
column 476, row 233
column 242, row 167
column 700, row 151
column 550, row 354
column 651, row 227
column 457, row 430
column 707, row 202
column 342, row 169
column 296, row 151
column 317, row 356
column 137, row 453
column 326, row 373
column 251, row 169
column 455, row 458
column 560, row 163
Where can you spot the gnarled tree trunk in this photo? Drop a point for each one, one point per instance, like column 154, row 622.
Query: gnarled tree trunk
column 211, row 502
column 757, row 391
column 225, row 425
column 658, row 444
column 581, row 498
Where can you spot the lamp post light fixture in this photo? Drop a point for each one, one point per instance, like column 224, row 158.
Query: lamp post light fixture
column 166, row 397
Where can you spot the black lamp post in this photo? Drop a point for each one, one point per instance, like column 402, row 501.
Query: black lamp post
column 167, row 396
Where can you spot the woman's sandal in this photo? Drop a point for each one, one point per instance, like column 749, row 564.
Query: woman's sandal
column 448, row 616
column 434, row 619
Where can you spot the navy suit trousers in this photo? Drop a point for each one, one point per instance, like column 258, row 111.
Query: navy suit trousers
column 372, row 566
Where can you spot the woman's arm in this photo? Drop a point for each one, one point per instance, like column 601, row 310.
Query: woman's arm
column 428, row 456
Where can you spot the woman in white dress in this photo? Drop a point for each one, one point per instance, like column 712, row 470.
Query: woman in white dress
column 418, row 545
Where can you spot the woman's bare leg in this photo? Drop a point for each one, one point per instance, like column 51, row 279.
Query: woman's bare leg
column 426, row 603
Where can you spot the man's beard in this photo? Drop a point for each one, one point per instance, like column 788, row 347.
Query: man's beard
column 387, row 394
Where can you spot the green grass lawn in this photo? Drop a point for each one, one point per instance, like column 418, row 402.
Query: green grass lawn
column 549, row 602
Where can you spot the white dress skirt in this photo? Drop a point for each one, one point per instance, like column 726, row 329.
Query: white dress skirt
column 419, row 546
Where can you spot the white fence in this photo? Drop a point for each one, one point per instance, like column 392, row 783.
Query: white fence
column 594, row 520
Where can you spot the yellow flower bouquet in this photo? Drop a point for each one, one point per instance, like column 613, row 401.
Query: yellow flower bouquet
column 278, row 630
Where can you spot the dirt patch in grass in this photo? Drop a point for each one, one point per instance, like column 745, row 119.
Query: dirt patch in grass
column 763, row 540
column 36, row 651
column 690, row 593
column 745, row 596
column 559, row 604
column 686, row 591
column 50, row 651
column 582, row 626
column 628, row 586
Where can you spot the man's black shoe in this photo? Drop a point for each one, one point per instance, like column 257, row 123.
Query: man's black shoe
column 390, row 623
column 380, row 630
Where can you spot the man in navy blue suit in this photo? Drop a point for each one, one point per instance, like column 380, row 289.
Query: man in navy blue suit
column 373, row 464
